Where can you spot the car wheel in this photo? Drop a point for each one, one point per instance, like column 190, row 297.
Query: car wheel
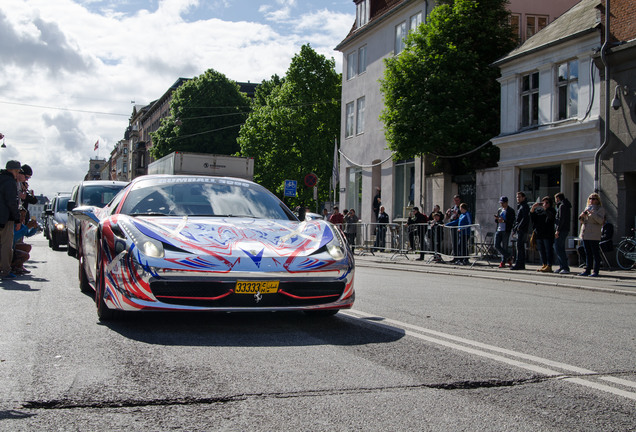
column 54, row 243
column 71, row 251
column 83, row 279
column 103, row 312
column 321, row 313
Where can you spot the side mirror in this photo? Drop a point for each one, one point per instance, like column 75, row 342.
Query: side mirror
column 87, row 214
column 70, row 205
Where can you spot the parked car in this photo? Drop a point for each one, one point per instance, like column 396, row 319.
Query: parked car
column 95, row 193
column 197, row 243
column 56, row 221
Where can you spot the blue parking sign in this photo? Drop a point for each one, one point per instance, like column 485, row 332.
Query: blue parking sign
column 290, row 188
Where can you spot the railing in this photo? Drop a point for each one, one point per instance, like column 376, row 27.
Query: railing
column 440, row 242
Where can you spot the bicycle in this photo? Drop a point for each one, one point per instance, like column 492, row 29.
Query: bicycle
column 626, row 252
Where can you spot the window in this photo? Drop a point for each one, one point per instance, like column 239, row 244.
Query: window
column 351, row 65
column 362, row 59
column 360, row 115
column 539, row 182
column 534, row 24
column 568, row 89
column 400, row 34
column 515, row 24
column 416, row 20
column 349, row 120
column 530, row 99
column 404, row 188
column 354, row 189
column 362, row 13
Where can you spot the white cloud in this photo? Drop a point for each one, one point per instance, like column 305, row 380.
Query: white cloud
column 71, row 69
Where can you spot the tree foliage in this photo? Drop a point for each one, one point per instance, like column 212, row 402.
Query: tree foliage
column 291, row 129
column 441, row 93
column 206, row 114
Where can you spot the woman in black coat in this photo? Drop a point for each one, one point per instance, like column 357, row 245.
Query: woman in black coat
column 543, row 215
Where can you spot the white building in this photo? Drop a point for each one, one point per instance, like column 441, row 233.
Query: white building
column 365, row 162
column 550, row 111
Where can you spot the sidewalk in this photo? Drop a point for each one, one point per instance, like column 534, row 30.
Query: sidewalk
column 613, row 281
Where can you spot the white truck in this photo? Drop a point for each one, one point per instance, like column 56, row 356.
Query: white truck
column 203, row 164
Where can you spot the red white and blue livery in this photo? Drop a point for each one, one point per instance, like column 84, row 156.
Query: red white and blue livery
column 197, row 243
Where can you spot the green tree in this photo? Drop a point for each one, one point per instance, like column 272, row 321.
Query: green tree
column 206, row 114
column 291, row 129
column 441, row 93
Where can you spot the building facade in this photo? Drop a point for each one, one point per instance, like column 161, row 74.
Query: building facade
column 616, row 179
column 550, row 115
column 365, row 160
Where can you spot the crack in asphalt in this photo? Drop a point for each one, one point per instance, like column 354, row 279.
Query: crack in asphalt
column 56, row 404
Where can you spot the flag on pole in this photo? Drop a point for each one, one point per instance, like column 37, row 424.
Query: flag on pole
column 96, row 145
column 334, row 173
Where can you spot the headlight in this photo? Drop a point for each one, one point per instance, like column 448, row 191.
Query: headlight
column 146, row 245
column 335, row 250
column 336, row 246
column 60, row 226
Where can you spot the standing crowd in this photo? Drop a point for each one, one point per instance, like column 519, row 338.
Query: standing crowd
column 544, row 225
column 15, row 221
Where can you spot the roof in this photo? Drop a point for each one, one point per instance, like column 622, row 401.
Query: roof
column 580, row 19
column 380, row 9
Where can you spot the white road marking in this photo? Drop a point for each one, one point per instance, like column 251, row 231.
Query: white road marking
column 479, row 349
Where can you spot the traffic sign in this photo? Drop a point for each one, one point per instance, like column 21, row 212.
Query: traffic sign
column 290, row 188
column 311, row 179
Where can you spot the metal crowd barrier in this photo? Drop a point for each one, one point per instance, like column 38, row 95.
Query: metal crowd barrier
column 439, row 242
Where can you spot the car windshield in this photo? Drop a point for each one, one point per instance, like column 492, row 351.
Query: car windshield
column 61, row 204
column 100, row 195
column 203, row 196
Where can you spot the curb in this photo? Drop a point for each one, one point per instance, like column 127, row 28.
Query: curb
column 480, row 273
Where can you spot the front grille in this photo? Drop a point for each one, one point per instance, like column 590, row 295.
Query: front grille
column 220, row 294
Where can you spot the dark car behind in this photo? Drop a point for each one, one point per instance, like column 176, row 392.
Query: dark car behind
column 96, row 193
column 56, row 221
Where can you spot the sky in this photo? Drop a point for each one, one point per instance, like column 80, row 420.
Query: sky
column 72, row 70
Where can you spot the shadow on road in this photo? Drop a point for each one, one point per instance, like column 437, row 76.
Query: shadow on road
column 248, row 329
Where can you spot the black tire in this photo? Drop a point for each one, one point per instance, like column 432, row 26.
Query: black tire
column 103, row 312
column 624, row 248
column 83, row 279
column 321, row 313
column 74, row 251
column 55, row 245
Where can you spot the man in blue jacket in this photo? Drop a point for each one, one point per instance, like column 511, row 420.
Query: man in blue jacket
column 462, row 234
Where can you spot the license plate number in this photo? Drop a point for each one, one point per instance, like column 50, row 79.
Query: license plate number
column 253, row 287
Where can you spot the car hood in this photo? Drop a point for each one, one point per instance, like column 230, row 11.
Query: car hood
column 60, row 217
column 254, row 238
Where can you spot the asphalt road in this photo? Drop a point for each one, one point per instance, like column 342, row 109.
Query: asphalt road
column 418, row 352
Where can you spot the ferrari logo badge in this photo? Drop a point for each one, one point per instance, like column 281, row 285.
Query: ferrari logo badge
column 258, row 297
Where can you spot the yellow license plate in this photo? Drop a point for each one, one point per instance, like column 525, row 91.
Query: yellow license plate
column 253, row 287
